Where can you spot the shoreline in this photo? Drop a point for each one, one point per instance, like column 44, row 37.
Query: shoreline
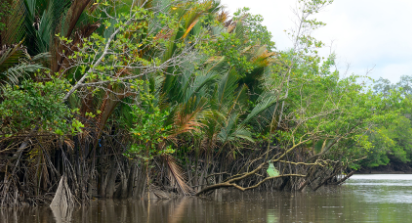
column 391, row 168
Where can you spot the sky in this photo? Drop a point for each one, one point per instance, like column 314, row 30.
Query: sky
column 370, row 37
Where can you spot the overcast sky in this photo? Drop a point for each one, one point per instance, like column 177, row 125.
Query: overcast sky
column 366, row 34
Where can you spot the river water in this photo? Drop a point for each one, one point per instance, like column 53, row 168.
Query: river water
column 364, row 198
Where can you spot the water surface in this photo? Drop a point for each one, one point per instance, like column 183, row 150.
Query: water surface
column 364, row 198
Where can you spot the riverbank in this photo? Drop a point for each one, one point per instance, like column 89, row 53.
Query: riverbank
column 391, row 168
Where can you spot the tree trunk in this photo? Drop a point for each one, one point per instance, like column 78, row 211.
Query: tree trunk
column 110, row 180
column 141, row 182
column 122, row 189
column 131, row 180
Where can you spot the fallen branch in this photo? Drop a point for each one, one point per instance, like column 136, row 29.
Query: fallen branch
column 323, row 182
column 337, row 164
column 304, row 185
column 229, row 184
column 302, row 163
column 271, row 178
column 345, row 178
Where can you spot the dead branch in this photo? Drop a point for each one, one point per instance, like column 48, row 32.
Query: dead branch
column 302, row 163
column 345, row 178
column 228, row 184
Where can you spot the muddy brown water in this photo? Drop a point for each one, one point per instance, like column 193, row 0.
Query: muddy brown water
column 364, row 198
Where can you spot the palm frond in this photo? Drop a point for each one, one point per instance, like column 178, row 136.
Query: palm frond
column 41, row 57
column 232, row 131
column 14, row 22
column 12, row 55
column 13, row 74
column 226, row 89
column 42, row 17
column 177, row 176
column 199, row 82
column 262, row 57
column 186, row 118
column 212, row 120
column 15, row 63
column 259, row 108
column 243, row 133
column 188, row 16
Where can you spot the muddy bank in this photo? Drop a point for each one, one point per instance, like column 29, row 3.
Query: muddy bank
column 391, row 168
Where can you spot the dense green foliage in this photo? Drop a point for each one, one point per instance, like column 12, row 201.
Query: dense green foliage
column 170, row 81
column 390, row 134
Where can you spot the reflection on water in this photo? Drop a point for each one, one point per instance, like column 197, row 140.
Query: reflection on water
column 365, row 198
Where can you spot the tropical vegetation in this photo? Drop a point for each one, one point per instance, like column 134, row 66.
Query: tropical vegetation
column 114, row 99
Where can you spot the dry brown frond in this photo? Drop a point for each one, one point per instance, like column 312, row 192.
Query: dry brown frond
column 222, row 17
column 186, row 123
column 176, row 175
column 69, row 143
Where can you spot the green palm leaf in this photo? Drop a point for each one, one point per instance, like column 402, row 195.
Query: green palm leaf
column 259, row 108
column 11, row 56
